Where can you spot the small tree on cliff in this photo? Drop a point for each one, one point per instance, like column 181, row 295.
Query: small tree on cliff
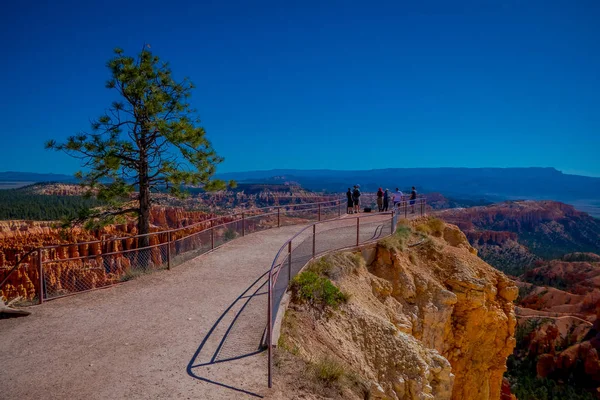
column 150, row 139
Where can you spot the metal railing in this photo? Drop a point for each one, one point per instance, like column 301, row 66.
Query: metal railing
column 323, row 237
column 61, row 270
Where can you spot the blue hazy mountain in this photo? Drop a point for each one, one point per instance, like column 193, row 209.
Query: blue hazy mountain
column 14, row 176
column 491, row 183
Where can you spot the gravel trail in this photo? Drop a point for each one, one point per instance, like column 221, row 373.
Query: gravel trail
column 192, row 332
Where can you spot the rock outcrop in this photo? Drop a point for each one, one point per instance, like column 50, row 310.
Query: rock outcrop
column 432, row 321
column 549, row 229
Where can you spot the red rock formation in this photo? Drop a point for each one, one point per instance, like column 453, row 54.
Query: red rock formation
column 505, row 393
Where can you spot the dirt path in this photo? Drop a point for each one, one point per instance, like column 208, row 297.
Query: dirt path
column 193, row 332
column 137, row 340
column 522, row 312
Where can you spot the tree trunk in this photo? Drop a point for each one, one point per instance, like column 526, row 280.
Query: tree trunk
column 144, row 199
column 144, row 216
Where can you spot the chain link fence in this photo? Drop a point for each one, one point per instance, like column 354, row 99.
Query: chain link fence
column 55, row 271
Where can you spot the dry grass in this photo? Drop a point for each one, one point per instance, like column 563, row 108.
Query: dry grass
column 433, row 226
column 398, row 240
column 327, row 370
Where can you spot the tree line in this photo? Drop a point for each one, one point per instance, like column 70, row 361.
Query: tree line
column 17, row 204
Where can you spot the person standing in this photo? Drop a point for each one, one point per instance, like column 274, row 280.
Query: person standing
column 350, row 201
column 386, row 199
column 413, row 199
column 397, row 197
column 380, row 200
column 356, row 199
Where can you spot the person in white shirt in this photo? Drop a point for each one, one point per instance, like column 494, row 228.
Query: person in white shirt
column 397, row 197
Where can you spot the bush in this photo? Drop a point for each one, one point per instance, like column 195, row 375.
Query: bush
column 437, row 226
column 399, row 239
column 328, row 370
column 308, row 287
column 322, row 266
column 433, row 226
column 230, row 234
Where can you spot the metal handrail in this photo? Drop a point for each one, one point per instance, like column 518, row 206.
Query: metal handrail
column 196, row 224
column 207, row 225
column 276, row 266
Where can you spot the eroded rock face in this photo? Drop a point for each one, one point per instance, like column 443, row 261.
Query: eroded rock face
column 457, row 305
column 430, row 322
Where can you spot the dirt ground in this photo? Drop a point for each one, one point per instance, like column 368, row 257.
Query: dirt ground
column 189, row 333
column 136, row 340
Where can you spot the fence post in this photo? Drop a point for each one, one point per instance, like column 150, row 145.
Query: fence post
column 319, row 211
column 289, row 260
column 212, row 236
column 339, row 208
column 392, row 223
column 169, row 250
column 269, row 338
column 243, row 225
column 41, row 269
column 314, row 239
column 405, row 209
column 357, row 231
column 278, row 217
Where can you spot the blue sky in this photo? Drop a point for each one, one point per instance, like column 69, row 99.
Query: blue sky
column 322, row 84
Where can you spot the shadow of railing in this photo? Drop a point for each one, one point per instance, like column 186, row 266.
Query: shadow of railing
column 237, row 334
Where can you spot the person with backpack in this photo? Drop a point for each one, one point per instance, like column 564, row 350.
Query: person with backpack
column 350, row 201
column 386, row 199
column 380, row 200
column 413, row 199
column 356, row 198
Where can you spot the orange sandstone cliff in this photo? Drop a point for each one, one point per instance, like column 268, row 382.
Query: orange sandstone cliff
column 426, row 319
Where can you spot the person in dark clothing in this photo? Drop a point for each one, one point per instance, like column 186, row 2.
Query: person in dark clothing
column 386, row 199
column 350, row 201
column 413, row 199
column 380, row 200
column 356, row 198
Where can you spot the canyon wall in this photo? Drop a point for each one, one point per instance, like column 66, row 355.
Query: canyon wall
column 429, row 321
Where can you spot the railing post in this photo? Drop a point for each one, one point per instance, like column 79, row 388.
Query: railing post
column 392, row 223
column 314, row 239
column 212, row 236
column 405, row 209
column 319, row 211
column 41, row 269
column 243, row 225
column 278, row 217
column 269, row 333
column 339, row 208
column 289, row 260
column 169, row 250
column 357, row 230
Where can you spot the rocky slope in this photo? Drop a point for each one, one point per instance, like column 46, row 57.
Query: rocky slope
column 511, row 235
column 429, row 321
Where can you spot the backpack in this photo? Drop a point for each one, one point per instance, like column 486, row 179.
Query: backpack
column 356, row 193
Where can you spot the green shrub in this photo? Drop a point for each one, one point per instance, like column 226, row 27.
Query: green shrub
column 230, row 234
column 322, row 266
column 308, row 287
column 398, row 240
column 328, row 370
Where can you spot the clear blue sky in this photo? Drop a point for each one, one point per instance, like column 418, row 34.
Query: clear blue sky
column 322, row 84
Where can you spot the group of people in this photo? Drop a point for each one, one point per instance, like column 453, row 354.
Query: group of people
column 383, row 199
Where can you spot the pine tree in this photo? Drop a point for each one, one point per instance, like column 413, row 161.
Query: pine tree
column 150, row 139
